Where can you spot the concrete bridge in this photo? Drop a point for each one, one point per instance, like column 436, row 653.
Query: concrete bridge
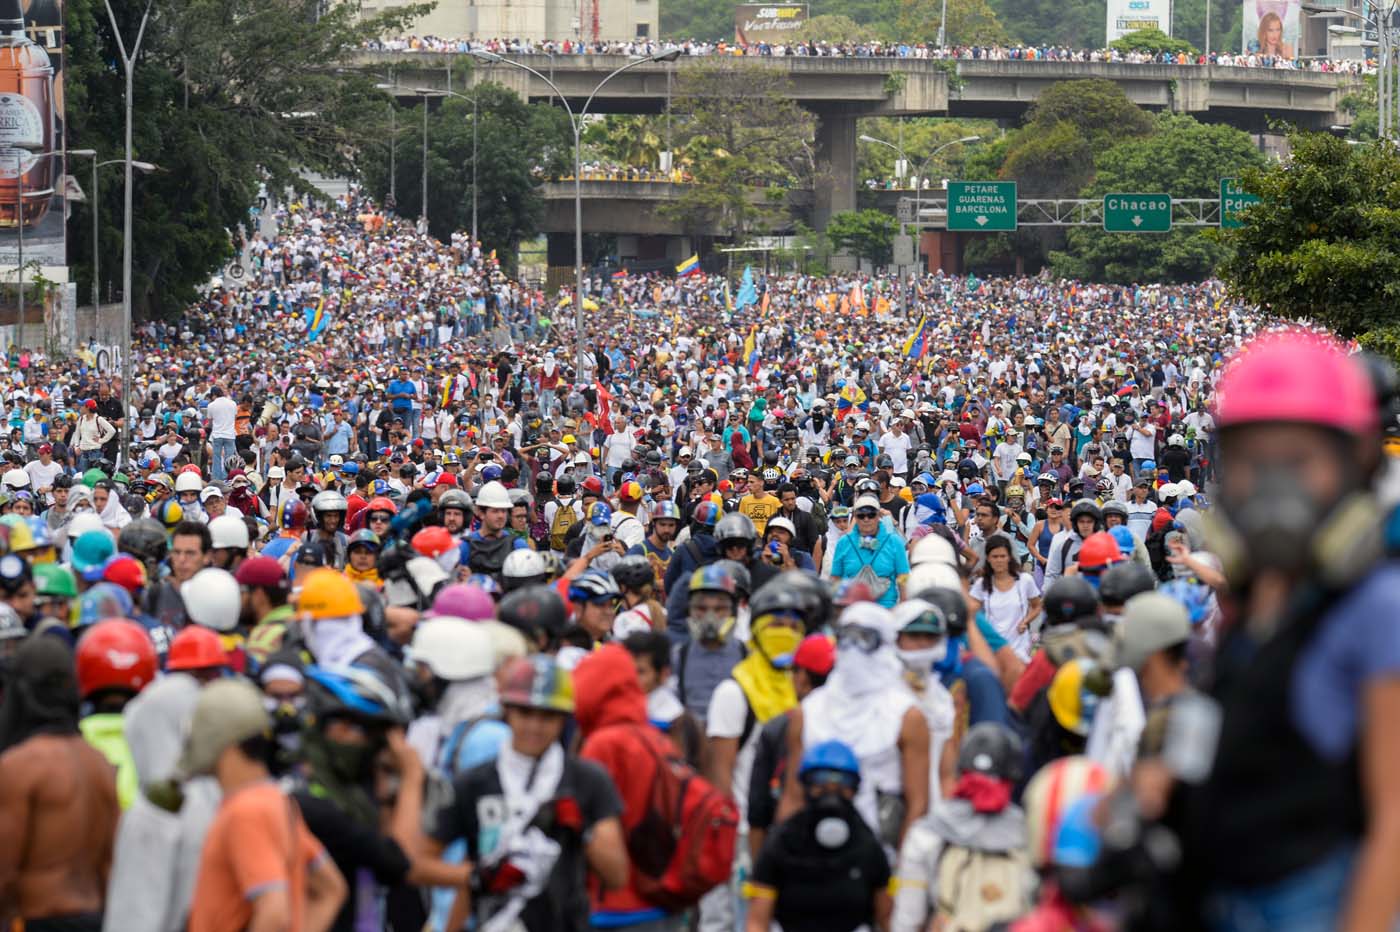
column 841, row 90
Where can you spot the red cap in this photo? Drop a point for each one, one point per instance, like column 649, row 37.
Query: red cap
column 445, row 478
column 261, row 571
column 126, row 572
column 90, row 405
column 45, row 448
column 630, row 491
column 815, row 654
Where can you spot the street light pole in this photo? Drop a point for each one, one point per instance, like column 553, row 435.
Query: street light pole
column 129, row 63
column 1386, row 71
column 96, row 258
column 423, row 214
column 472, row 99
column 576, row 122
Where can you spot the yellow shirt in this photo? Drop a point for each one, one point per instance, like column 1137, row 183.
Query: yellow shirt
column 759, row 508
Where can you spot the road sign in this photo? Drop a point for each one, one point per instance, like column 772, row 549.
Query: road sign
column 982, row 206
column 904, row 210
column 1233, row 200
column 1137, row 213
column 903, row 250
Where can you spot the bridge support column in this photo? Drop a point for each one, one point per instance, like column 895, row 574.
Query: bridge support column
column 836, row 167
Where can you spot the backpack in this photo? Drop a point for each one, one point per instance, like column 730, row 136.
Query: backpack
column 978, row 889
column 683, row 846
column 564, row 518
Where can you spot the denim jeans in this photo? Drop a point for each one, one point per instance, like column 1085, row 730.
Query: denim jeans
column 224, row 447
column 1311, row 898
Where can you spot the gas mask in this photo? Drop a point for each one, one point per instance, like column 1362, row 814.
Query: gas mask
column 1276, row 522
column 830, row 815
column 710, row 627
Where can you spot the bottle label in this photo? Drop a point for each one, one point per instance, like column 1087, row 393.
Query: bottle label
column 21, row 125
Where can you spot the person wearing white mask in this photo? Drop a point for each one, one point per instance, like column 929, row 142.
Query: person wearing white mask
column 922, row 641
column 866, row 704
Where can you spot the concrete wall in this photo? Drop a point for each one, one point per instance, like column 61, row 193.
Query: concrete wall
column 536, row 20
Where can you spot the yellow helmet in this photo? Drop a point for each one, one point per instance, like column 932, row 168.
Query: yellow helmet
column 21, row 537
column 326, row 593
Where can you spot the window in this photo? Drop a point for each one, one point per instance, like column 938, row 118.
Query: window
column 643, row 30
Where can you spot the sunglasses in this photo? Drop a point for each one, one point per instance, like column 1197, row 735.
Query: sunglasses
column 867, row 515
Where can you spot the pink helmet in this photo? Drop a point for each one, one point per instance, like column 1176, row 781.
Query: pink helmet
column 460, row 600
column 1297, row 376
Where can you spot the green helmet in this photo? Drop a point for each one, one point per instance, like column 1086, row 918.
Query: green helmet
column 52, row 579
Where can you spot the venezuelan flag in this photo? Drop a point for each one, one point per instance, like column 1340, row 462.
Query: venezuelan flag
column 752, row 361
column 620, row 274
column 917, row 344
column 690, row 266
column 316, row 319
column 851, row 398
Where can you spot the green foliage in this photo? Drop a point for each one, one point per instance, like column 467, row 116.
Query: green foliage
column 626, row 140
column 919, row 137
column 1324, row 240
column 700, row 19
column 227, row 92
column 1073, row 23
column 1152, row 40
column 1189, row 23
column 869, row 234
column 1184, row 158
column 970, row 22
column 740, row 131
column 835, row 27
column 1364, row 109
column 1098, row 109
column 517, row 144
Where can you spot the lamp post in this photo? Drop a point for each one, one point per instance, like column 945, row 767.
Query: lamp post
column 20, row 169
column 918, row 176
column 129, row 64
column 576, row 123
column 96, row 258
column 472, row 100
column 1383, row 21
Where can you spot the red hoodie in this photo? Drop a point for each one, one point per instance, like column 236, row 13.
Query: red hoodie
column 611, row 710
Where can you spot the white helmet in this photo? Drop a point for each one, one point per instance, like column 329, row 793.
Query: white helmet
column 82, row 522
column 16, row 479
column 452, row 648
column 1176, row 440
column 493, row 495
column 927, row 575
column 781, row 522
column 228, row 532
column 933, row 548
column 212, row 599
column 188, row 482
column 524, row 564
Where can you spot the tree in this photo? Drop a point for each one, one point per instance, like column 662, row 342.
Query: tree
column 1098, row 109
column 1152, row 40
column 1073, row 23
column 740, row 114
column 228, row 93
column 835, row 28
column 518, row 145
column 867, row 233
column 1324, row 240
column 919, row 137
column 626, row 139
column 970, row 22
column 1364, row 109
column 1184, row 158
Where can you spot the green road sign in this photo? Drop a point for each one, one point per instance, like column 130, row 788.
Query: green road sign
column 1137, row 213
column 982, row 206
column 1233, row 200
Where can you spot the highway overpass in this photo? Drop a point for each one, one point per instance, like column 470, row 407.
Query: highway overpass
column 841, row 90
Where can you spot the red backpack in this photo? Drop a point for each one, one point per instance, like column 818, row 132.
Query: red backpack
column 683, row 846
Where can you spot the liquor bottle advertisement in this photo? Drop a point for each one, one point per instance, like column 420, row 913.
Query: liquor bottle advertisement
column 32, row 166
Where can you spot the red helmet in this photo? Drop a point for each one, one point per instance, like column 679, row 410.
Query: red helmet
column 115, row 654
column 1296, row 376
column 381, row 504
column 433, row 541
column 592, row 485
column 195, row 648
column 1099, row 552
column 292, row 514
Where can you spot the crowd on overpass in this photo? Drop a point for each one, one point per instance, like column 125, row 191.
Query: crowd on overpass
column 873, row 49
column 830, row 602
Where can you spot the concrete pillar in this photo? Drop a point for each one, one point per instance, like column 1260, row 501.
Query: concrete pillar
column 836, row 167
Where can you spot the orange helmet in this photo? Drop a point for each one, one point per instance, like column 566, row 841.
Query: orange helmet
column 195, row 648
column 433, row 541
column 1099, row 551
column 115, row 653
column 381, row 504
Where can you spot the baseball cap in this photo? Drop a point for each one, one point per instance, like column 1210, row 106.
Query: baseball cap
column 91, row 551
column 1150, row 622
column 210, row 491
column 816, row 654
column 264, row 572
column 866, row 501
column 45, row 448
column 226, row 713
column 630, row 491
column 127, row 572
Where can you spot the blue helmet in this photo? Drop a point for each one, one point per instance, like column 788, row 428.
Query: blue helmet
column 1194, row 596
column 599, row 514
column 359, row 692
column 830, row 755
column 491, row 473
column 1126, row 542
column 594, row 585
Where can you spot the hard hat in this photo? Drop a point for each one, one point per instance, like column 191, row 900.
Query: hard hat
column 16, row 479
column 537, row 682
column 115, row 654
column 195, row 648
column 493, row 495
column 1296, row 376
column 228, row 533
column 326, row 593
column 469, row 603
column 452, row 648
column 1099, row 551
column 830, row 756
column 212, row 599
column 189, row 482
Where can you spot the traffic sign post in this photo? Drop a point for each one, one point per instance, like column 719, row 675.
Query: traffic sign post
column 982, row 206
column 1233, row 201
column 1137, row 213
column 904, row 210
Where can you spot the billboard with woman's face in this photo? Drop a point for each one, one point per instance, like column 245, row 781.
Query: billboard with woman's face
column 1271, row 28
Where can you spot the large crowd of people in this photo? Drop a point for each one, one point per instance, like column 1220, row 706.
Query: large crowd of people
column 789, row 602
column 871, row 49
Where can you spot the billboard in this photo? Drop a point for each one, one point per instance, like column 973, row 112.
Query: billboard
column 772, row 22
column 1271, row 27
column 1125, row 16
column 31, row 134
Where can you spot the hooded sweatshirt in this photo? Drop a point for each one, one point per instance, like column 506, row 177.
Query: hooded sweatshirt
column 156, row 856
column 611, row 710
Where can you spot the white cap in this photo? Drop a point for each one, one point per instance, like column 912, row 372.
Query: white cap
column 1169, row 490
column 686, row 451
column 866, row 501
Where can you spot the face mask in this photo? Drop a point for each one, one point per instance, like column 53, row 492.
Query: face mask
column 1276, row 520
column 710, row 626
column 778, row 644
column 952, row 659
column 831, row 825
column 921, row 661
column 350, row 762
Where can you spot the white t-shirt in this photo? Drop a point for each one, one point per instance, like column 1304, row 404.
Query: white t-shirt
column 41, row 476
column 897, row 446
column 1006, row 609
column 619, row 448
column 223, row 411
column 1142, row 446
column 729, row 708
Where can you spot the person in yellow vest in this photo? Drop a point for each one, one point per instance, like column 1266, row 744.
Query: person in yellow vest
column 115, row 660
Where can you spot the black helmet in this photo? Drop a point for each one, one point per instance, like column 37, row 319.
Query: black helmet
column 534, row 610
column 735, row 527
column 743, row 582
column 144, row 539
column 63, row 481
column 967, row 468
column 884, row 461
column 813, row 595
column 1114, row 507
column 777, row 596
column 1070, row 599
column 1122, row 581
column 634, row 573
column 544, row 485
column 814, row 451
column 565, row 485
column 992, row 749
column 951, row 603
column 1086, row 507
